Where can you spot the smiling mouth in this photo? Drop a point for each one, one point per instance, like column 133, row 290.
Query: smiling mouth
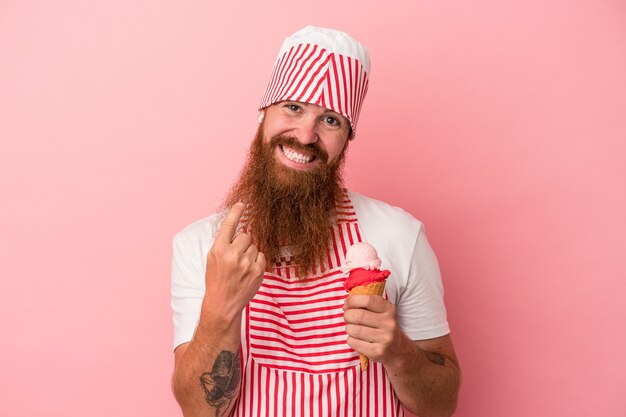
column 297, row 157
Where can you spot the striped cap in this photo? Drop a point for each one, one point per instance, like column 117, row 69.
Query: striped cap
column 324, row 67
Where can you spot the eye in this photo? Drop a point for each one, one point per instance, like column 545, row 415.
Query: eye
column 292, row 107
column 332, row 121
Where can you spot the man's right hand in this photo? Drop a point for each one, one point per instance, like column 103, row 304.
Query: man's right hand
column 234, row 268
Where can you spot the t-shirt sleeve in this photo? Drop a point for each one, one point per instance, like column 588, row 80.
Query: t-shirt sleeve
column 421, row 312
column 187, row 286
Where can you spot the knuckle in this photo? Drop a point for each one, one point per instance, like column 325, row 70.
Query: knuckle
column 261, row 260
column 353, row 343
column 258, row 276
column 354, row 316
column 377, row 351
column 242, row 264
column 216, row 249
column 362, row 315
column 356, row 331
column 242, row 238
column 228, row 224
column 348, row 316
column 392, row 309
column 394, row 326
column 386, row 339
column 245, row 262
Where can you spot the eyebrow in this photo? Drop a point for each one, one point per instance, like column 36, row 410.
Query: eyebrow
column 327, row 111
column 332, row 113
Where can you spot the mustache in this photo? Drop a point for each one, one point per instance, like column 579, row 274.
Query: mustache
column 293, row 143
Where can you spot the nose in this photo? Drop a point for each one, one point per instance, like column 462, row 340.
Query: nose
column 306, row 132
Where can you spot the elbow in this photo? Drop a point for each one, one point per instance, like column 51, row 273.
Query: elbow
column 182, row 394
column 450, row 404
column 178, row 390
column 442, row 410
column 442, row 403
column 450, row 408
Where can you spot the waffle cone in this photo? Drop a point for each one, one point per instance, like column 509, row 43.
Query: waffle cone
column 375, row 288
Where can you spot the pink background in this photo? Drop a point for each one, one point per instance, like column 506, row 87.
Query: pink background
column 500, row 124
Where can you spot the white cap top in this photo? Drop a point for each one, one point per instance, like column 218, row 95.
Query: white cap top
column 332, row 40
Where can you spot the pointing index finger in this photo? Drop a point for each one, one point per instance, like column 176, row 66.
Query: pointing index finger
column 229, row 226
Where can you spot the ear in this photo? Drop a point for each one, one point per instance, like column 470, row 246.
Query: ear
column 350, row 134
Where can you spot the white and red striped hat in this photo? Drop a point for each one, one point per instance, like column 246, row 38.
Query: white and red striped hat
column 324, row 67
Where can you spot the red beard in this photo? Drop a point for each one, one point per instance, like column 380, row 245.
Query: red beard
column 288, row 207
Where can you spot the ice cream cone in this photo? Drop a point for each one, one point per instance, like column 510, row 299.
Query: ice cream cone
column 362, row 265
column 375, row 288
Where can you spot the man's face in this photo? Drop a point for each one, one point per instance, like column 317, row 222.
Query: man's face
column 291, row 181
column 305, row 135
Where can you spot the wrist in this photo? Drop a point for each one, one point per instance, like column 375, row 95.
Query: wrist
column 220, row 320
column 406, row 358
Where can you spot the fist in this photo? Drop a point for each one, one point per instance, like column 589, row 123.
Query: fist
column 372, row 327
column 234, row 267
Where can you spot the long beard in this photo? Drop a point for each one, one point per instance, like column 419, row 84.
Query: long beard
column 287, row 207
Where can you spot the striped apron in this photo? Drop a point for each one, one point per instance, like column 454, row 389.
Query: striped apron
column 295, row 359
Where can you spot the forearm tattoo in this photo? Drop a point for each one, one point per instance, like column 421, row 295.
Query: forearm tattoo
column 220, row 385
column 436, row 358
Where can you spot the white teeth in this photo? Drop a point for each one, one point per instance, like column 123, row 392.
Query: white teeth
column 296, row 157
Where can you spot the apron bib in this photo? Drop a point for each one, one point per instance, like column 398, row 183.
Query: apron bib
column 295, row 359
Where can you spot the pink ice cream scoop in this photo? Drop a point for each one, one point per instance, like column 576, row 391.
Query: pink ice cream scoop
column 361, row 255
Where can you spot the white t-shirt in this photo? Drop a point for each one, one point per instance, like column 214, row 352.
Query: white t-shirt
column 414, row 284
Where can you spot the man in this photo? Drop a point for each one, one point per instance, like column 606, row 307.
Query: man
column 263, row 326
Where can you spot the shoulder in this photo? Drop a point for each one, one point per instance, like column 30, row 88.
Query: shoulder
column 394, row 233
column 378, row 217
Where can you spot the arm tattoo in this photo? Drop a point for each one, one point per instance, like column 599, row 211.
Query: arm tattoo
column 220, row 385
column 436, row 358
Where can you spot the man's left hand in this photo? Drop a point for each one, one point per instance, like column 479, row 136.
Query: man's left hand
column 372, row 327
